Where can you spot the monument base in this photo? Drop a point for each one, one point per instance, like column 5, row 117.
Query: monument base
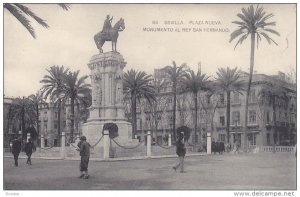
column 94, row 130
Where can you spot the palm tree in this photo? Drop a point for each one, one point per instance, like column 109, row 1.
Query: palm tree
column 76, row 90
column 194, row 83
column 272, row 95
column 138, row 85
column 53, row 84
column 228, row 81
column 253, row 23
column 176, row 76
column 36, row 100
column 22, row 109
column 19, row 11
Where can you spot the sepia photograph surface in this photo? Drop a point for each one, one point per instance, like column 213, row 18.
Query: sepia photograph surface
column 150, row 97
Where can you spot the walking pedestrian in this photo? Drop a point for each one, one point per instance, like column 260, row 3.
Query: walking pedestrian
column 29, row 147
column 180, row 151
column 237, row 147
column 16, row 149
column 84, row 148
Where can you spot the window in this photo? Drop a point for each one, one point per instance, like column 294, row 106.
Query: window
column 252, row 139
column 252, row 96
column 55, row 126
column 222, row 99
column 268, row 139
column 147, row 118
column 208, row 99
column 236, row 118
column 139, row 123
column 286, row 118
column 158, row 117
column 45, row 112
column 56, row 115
column 236, row 97
column 252, row 116
column 268, row 117
column 222, row 120
column 222, row 137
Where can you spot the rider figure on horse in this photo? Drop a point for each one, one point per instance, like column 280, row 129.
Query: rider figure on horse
column 107, row 24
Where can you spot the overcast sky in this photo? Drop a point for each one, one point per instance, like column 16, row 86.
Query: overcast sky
column 69, row 40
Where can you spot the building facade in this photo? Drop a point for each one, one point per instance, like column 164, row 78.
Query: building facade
column 261, row 128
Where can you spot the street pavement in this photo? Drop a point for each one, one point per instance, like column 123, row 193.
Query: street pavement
column 264, row 171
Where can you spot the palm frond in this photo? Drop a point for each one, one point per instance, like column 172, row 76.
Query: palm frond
column 27, row 11
column 65, row 6
column 272, row 31
column 23, row 20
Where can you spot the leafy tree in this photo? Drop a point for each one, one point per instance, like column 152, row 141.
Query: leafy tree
column 228, row 81
column 194, row 83
column 36, row 100
column 254, row 22
column 273, row 95
column 176, row 76
column 157, row 105
column 22, row 109
column 138, row 85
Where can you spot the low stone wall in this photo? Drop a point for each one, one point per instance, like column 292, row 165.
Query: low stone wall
column 47, row 152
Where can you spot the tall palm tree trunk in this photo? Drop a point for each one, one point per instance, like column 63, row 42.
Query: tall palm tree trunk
column 58, row 122
column 275, row 139
column 133, row 113
column 196, row 115
column 72, row 118
column 23, row 123
column 37, row 121
column 155, row 122
column 248, row 89
column 228, row 117
column 174, row 111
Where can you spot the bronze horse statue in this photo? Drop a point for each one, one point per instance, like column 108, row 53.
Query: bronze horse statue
column 111, row 35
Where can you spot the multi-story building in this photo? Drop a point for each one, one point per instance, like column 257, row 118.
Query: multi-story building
column 49, row 119
column 261, row 130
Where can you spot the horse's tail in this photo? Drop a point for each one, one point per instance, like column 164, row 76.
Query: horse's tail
column 96, row 38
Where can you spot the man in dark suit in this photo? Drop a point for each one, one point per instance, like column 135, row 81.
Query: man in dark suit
column 29, row 147
column 16, row 149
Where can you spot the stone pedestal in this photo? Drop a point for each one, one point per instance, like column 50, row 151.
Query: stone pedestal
column 107, row 98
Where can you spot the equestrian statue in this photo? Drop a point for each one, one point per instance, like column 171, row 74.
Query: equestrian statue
column 109, row 33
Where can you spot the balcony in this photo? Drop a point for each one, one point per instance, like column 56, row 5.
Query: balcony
column 235, row 102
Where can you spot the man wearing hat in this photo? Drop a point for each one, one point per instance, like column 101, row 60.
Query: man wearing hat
column 29, row 147
column 180, row 151
column 16, row 149
column 84, row 148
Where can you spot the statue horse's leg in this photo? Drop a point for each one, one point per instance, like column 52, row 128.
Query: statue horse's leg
column 101, row 43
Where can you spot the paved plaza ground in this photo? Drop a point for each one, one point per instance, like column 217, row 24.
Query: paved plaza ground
column 215, row 172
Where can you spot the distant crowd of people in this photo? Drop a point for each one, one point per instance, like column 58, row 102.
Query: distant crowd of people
column 221, row 147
